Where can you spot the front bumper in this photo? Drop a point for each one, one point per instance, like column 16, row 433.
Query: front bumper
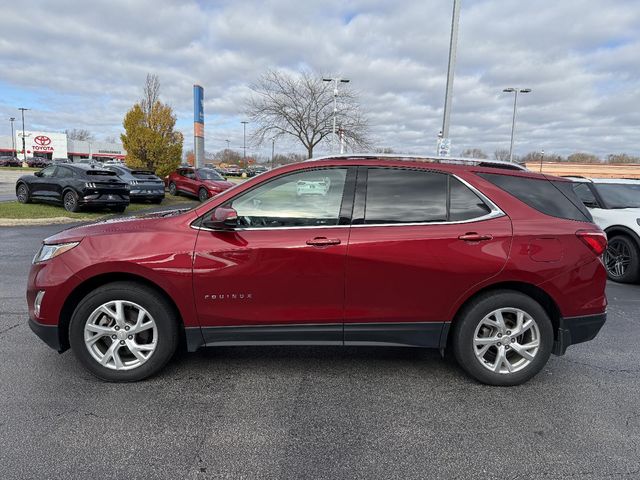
column 48, row 334
column 572, row 330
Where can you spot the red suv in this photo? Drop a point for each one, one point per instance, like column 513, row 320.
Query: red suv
column 500, row 265
column 197, row 182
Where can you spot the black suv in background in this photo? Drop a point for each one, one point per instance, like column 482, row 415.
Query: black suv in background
column 144, row 185
column 74, row 186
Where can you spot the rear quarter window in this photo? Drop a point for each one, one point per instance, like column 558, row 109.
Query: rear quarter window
column 554, row 198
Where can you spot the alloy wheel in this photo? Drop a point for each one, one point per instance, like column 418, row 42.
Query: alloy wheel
column 203, row 195
column 506, row 340
column 23, row 194
column 69, row 202
column 617, row 258
column 121, row 335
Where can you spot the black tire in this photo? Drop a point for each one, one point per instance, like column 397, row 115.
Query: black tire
column 173, row 190
column 622, row 249
column 472, row 315
column 157, row 201
column 203, row 195
column 152, row 301
column 70, row 201
column 119, row 208
column 22, row 193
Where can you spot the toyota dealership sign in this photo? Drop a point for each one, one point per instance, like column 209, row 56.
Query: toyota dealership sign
column 54, row 145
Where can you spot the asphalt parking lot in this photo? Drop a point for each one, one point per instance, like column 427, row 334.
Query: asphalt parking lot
column 284, row 412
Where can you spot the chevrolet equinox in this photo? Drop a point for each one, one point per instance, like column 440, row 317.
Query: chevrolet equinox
column 496, row 264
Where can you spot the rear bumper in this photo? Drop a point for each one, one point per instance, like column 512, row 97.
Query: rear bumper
column 48, row 334
column 572, row 330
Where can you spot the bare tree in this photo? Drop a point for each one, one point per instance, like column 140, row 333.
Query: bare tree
column 301, row 106
column 150, row 94
column 580, row 157
column 79, row 134
column 622, row 158
column 474, row 153
column 111, row 139
column 501, row 154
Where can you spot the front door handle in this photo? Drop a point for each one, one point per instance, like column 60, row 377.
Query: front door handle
column 323, row 241
column 475, row 237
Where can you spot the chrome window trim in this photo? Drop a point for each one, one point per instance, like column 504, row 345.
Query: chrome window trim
column 495, row 212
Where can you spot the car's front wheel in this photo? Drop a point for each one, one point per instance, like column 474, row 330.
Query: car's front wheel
column 622, row 259
column 503, row 338
column 123, row 332
column 22, row 192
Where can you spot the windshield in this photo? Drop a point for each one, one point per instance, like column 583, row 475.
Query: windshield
column 208, row 174
column 617, row 195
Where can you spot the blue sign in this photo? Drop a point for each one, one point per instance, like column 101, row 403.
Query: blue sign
column 198, row 104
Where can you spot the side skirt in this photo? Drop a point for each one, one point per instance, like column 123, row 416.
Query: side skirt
column 423, row 334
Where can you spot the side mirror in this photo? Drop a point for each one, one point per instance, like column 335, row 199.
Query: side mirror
column 222, row 218
column 38, row 174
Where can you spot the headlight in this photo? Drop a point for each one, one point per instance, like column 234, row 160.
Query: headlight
column 90, row 185
column 134, row 182
column 47, row 252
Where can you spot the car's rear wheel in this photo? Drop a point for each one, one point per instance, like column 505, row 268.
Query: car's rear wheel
column 622, row 259
column 70, row 201
column 203, row 194
column 123, row 332
column 503, row 338
column 22, row 192
column 172, row 189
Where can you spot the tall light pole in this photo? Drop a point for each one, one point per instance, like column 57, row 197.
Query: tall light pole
column 273, row 150
column 515, row 92
column 24, row 147
column 13, row 136
column 227, row 144
column 244, row 142
column 336, row 81
column 453, row 46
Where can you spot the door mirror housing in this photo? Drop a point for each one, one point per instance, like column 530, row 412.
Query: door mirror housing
column 38, row 174
column 222, row 218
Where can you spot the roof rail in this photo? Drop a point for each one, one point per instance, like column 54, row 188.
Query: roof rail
column 480, row 162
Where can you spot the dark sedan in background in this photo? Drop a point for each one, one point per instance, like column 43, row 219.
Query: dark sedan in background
column 144, row 185
column 74, row 186
column 10, row 161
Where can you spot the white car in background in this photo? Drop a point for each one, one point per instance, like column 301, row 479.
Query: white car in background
column 615, row 207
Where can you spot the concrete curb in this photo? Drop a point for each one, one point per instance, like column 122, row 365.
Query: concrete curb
column 20, row 222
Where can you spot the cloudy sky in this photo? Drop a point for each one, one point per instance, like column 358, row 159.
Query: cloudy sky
column 82, row 64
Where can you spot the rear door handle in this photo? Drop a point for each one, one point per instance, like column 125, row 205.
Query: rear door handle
column 323, row 241
column 475, row 237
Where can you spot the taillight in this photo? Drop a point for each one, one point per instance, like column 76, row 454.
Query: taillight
column 595, row 240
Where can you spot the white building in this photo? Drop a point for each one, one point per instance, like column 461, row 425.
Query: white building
column 57, row 145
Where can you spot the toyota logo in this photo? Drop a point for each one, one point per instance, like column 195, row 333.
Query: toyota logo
column 42, row 140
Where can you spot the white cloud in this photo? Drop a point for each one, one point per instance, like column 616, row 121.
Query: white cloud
column 85, row 63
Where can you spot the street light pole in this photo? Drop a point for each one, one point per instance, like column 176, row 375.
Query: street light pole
column 335, row 81
column 273, row 149
column 13, row 137
column 227, row 144
column 453, row 46
column 515, row 91
column 24, row 148
column 244, row 142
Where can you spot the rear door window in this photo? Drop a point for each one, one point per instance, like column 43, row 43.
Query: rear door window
column 405, row 196
column 414, row 196
column 464, row 204
column 554, row 198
